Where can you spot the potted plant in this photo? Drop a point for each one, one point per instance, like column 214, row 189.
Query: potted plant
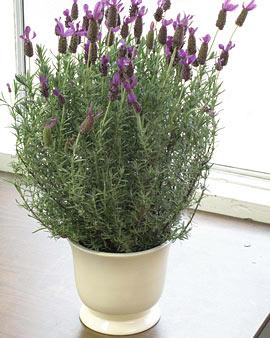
column 115, row 135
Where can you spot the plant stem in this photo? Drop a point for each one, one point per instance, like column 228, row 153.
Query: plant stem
column 234, row 31
column 214, row 40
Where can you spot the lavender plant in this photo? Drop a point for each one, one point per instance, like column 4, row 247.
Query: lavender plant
column 115, row 133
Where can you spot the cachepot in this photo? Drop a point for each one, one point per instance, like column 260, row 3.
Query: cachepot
column 120, row 292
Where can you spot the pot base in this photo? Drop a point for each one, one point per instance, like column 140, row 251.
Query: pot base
column 119, row 325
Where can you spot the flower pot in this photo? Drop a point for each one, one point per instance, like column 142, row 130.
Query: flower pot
column 120, row 292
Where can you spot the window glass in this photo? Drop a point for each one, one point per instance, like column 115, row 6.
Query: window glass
column 7, row 72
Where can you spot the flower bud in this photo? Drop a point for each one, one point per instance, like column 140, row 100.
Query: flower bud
column 138, row 27
column 158, row 14
column 85, row 23
column 186, row 72
column 221, row 21
column 75, row 10
column 28, row 49
column 92, row 33
column 68, row 21
column 191, row 45
column 178, row 38
column 122, row 51
column 62, row 45
column 74, row 42
column 224, row 58
column 93, row 52
column 162, row 35
column 150, row 39
column 202, row 56
column 133, row 11
column 241, row 18
column 124, row 30
column 112, row 17
column 130, row 70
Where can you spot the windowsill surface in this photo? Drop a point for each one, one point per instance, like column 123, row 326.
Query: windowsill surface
column 217, row 283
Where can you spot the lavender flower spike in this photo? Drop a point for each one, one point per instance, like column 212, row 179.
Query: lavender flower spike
column 44, row 86
column 222, row 16
column 186, row 60
column 28, row 46
column 243, row 15
column 228, row 7
column 224, row 56
column 163, row 32
column 202, row 56
column 60, row 29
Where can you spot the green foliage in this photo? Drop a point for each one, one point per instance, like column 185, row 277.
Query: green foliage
column 123, row 186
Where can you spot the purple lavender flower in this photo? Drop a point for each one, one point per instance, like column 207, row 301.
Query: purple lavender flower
column 228, row 7
column 224, row 56
column 28, row 46
column 169, row 48
column 142, row 11
column 243, row 15
column 74, row 10
column 163, row 32
column 44, row 86
column 9, row 88
column 98, row 12
column 192, row 44
column 138, row 26
column 206, row 39
column 131, row 52
column 185, row 22
column 192, row 31
column 134, row 7
column 130, row 83
column 51, row 123
column 61, row 98
column 132, row 98
column 202, row 56
column 26, row 34
column 122, row 63
column 125, row 27
column 104, row 64
column 250, row 6
column 60, row 29
column 229, row 46
column 186, row 60
column 68, row 19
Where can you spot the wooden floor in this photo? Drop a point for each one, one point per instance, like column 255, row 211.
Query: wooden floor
column 218, row 283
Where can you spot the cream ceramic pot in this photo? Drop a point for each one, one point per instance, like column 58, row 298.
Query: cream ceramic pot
column 120, row 292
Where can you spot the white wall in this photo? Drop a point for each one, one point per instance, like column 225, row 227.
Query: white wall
column 246, row 116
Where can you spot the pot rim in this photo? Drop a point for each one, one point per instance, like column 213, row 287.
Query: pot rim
column 111, row 254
